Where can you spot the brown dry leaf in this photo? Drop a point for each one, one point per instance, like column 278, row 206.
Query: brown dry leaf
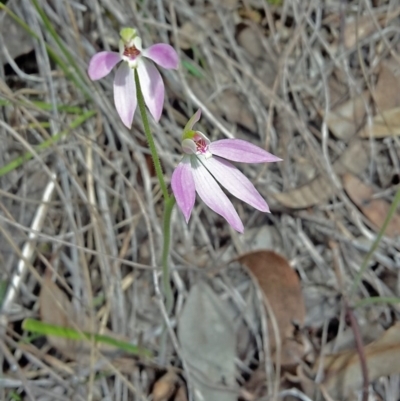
column 165, row 386
column 189, row 35
column 338, row 89
column 385, row 124
column 375, row 210
column 250, row 41
column 359, row 28
column 387, row 91
column 181, row 394
column 256, row 384
column 281, row 286
column 387, row 100
column 55, row 308
column 16, row 40
column 251, row 14
column 343, row 372
column 354, row 159
column 208, row 342
column 228, row 102
column 347, row 118
column 231, row 105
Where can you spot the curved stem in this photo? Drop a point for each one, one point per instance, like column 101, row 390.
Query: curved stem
column 168, row 207
column 149, row 137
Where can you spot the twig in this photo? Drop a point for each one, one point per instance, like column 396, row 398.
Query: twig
column 360, row 349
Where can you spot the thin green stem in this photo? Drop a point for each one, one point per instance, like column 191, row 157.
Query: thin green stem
column 169, row 201
column 391, row 212
column 168, row 207
column 149, row 137
column 376, row 300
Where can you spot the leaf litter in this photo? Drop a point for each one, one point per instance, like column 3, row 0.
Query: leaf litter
column 208, row 340
column 281, row 286
column 342, row 371
column 270, row 73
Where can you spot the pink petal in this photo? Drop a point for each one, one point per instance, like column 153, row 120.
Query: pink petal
column 238, row 150
column 235, row 182
column 102, row 63
column 162, row 54
column 213, row 196
column 125, row 93
column 182, row 184
column 193, row 120
column 152, row 87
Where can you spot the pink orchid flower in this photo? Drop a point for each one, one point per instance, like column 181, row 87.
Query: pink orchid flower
column 133, row 56
column 204, row 165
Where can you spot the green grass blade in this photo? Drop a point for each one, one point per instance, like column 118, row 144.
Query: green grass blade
column 192, row 69
column 47, row 329
column 377, row 300
column 17, row 162
column 3, row 290
column 60, row 107
column 378, row 239
column 45, row 106
column 51, row 52
column 50, row 28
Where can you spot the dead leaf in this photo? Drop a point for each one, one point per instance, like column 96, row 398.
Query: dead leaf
column 387, row 91
column 256, row 384
column 231, row 105
column 369, row 332
column 354, row 159
column 181, row 394
column 250, row 41
column 251, row 14
column 375, row 210
column 385, row 124
column 165, row 386
column 208, row 342
column 55, row 308
column 343, row 372
column 189, row 36
column 337, row 87
column 228, row 102
column 358, row 29
column 15, row 39
column 229, row 4
column 347, row 118
column 281, row 286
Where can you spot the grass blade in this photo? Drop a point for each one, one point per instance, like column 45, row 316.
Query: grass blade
column 38, row 327
column 17, row 162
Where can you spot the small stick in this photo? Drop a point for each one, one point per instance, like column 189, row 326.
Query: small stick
column 360, row 349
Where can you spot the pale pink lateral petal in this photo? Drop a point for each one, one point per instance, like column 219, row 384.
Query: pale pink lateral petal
column 242, row 151
column 162, row 54
column 193, row 120
column 102, row 63
column 235, row 182
column 182, row 184
column 152, row 87
column 213, row 196
column 125, row 93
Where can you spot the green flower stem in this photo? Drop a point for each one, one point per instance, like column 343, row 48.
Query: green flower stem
column 169, row 200
column 166, row 279
column 149, row 137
